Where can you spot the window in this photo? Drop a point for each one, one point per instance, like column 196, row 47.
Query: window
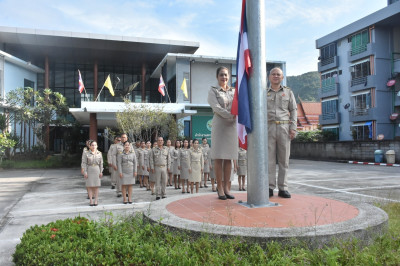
column 187, row 129
column 328, row 51
column 359, row 42
column 360, row 72
column 329, row 109
column 362, row 132
column 29, row 84
column 331, row 133
column 362, row 101
column 327, row 54
column 328, row 80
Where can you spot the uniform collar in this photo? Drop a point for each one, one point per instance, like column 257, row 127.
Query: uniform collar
column 221, row 89
column 280, row 88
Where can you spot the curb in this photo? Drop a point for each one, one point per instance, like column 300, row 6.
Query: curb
column 381, row 164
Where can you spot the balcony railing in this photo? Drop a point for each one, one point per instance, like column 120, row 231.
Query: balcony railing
column 360, row 111
column 360, row 80
column 328, row 88
column 327, row 61
column 359, row 49
column 329, row 118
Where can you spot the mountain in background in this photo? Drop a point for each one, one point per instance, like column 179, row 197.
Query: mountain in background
column 305, row 86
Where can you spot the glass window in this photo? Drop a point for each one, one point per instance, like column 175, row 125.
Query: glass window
column 329, row 107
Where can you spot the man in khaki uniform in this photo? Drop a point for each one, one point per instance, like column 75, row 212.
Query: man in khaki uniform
column 282, row 124
column 160, row 162
column 114, row 174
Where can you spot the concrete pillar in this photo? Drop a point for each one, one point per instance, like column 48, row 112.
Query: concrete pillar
column 142, row 83
column 46, row 85
column 93, row 116
column 93, row 127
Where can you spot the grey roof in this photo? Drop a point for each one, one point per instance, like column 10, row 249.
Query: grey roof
column 34, row 44
column 387, row 16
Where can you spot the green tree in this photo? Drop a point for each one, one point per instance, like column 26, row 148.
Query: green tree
column 142, row 122
column 305, row 86
column 39, row 109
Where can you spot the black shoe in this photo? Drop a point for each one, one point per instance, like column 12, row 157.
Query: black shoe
column 229, row 196
column 271, row 192
column 222, row 197
column 130, row 202
column 125, row 202
column 284, row 194
column 164, row 197
column 119, row 195
column 157, row 198
column 112, row 187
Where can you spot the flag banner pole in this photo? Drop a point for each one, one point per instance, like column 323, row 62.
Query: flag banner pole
column 166, row 89
column 257, row 152
column 99, row 93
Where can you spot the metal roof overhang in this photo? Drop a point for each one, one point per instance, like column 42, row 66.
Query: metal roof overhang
column 106, row 111
column 33, row 45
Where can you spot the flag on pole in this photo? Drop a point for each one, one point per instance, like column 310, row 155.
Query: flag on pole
column 241, row 104
column 184, row 88
column 81, row 86
column 108, row 84
column 161, row 86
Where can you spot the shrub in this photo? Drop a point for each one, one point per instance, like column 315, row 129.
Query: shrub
column 129, row 240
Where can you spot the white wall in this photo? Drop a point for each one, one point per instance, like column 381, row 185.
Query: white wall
column 203, row 77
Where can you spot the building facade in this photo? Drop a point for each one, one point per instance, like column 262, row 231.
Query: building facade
column 356, row 62
column 127, row 60
column 16, row 73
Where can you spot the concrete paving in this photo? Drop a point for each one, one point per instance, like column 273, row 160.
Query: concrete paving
column 29, row 197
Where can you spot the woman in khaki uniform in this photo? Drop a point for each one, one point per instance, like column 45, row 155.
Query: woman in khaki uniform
column 183, row 165
column 93, row 171
column 196, row 163
column 146, row 165
column 152, row 176
column 242, row 168
column 127, row 168
column 207, row 161
column 224, row 136
column 170, row 149
column 85, row 150
column 140, row 162
column 174, row 165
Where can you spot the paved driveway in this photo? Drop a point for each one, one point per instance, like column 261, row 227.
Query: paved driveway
column 32, row 197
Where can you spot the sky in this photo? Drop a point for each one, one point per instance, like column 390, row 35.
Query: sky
column 292, row 26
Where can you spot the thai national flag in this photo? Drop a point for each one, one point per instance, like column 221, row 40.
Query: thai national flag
column 240, row 105
column 81, row 86
column 161, row 86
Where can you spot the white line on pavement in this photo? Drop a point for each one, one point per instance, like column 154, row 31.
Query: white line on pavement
column 345, row 192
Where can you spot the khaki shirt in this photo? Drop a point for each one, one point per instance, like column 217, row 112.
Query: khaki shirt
column 221, row 101
column 85, row 150
column 94, row 160
column 282, row 106
column 127, row 162
column 242, row 157
column 160, row 157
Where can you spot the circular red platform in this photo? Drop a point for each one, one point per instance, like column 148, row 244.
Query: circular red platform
column 299, row 211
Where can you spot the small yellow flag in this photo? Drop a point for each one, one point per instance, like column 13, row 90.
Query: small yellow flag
column 184, row 88
column 108, row 84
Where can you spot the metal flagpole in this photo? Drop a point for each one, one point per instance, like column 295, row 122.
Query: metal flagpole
column 257, row 151
column 102, row 88
column 166, row 89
